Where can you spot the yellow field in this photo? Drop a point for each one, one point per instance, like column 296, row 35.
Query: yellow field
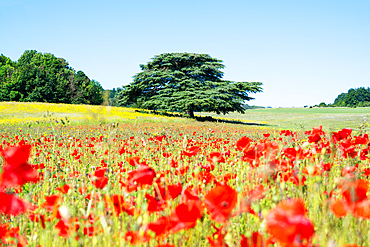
column 27, row 113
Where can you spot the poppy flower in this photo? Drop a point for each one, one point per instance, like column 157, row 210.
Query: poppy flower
column 20, row 175
column 136, row 238
column 217, row 239
column 355, row 200
column 340, row 135
column 12, row 205
column 161, row 226
column 220, row 202
column 52, row 202
column 89, row 231
column 99, row 180
column 313, row 170
column 66, row 228
column 119, row 204
column 185, row 215
column 16, row 170
column 64, row 189
column 215, row 157
column 174, row 190
column 243, row 143
column 155, row 204
column 205, row 177
column 287, row 223
column 327, row 166
column 192, row 151
column 143, row 175
column 363, row 139
column 256, row 240
column 16, row 156
column 133, row 161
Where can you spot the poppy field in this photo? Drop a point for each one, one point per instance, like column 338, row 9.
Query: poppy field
column 183, row 183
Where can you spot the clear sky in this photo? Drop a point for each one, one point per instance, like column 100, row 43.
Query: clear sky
column 304, row 52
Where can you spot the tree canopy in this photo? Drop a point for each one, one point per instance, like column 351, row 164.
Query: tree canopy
column 358, row 97
column 186, row 82
column 46, row 78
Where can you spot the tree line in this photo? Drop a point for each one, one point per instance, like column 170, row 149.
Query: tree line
column 355, row 97
column 43, row 77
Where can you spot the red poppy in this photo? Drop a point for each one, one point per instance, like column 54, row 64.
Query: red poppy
column 192, row 151
column 64, row 189
column 185, row 215
column 160, row 227
column 155, row 204
column 99, row 180
column 327, row 166
column 220, row 202
column 355, row 200
column 287, row 222
column 243, row 143
column 20, row 175
column 89, row 231
column 340, row 135
column 136, row 238
column 363, row 139
column 16, row 170
column 12, row 205
column 256, row 240
column 133, row 161
column 16, row 156
column 143, row 175
column 64, row 228
column 52, row 202
column 119, row 204
column 312, row 170
column 215, row 157
column 217, row 239
column 174, row 190
column 205, row 177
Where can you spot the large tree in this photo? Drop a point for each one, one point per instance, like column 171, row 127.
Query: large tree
column 186, row 82
column 43, row 77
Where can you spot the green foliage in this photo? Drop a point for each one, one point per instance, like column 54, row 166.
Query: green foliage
column 186, row 82
column 112, row 96
column 38, row 77
column 247, row 107
column 359, row 97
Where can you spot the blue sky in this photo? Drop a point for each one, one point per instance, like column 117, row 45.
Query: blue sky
column 304, row 52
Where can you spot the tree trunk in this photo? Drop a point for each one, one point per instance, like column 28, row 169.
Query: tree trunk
column 190, row 113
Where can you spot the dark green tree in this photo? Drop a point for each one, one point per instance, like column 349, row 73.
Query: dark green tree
column 46, row 78
column 358, row 97
column 186, row 82
column 7, row 68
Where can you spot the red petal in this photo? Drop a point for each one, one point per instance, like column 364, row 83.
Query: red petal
column 339, row 208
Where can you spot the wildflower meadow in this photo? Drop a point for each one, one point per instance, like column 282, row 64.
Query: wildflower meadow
column 149, row 180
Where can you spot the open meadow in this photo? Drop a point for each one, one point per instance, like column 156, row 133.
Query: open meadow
column 332, row 119
column 76, row 175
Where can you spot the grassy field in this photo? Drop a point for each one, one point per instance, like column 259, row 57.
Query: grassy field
column 332, row 119
column 74, row 175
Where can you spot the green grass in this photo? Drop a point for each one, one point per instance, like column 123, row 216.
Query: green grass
column 332, row 119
